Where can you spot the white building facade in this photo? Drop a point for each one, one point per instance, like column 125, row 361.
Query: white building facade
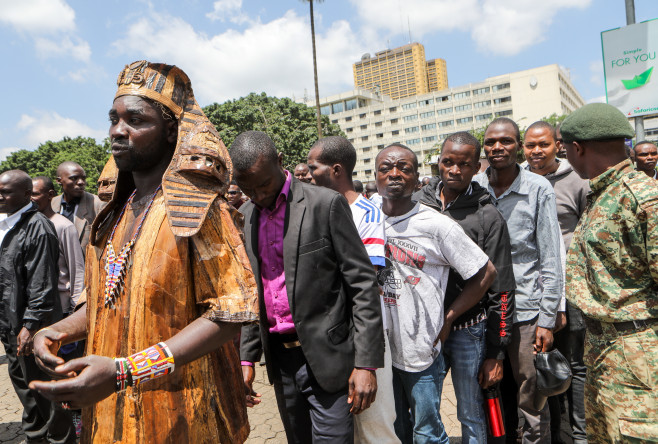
column 372, row 122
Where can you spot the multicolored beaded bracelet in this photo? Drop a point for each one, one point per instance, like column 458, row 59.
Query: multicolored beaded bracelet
column 151, row 363
column 124, row 379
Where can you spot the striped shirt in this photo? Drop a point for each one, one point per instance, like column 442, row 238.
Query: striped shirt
column 370, row 224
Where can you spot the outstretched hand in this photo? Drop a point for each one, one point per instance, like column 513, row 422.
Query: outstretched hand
column 95, row 381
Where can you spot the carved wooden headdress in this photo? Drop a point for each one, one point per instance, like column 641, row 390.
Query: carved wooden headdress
column 201, row 168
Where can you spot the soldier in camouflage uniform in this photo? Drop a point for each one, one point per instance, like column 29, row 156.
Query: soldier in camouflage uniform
column 612, row 275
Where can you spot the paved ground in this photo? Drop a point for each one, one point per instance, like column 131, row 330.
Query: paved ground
column 266, row 426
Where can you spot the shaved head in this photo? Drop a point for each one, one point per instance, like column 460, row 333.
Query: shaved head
column 15, row 190
column 67, row 166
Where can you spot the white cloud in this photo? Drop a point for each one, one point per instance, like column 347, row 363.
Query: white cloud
column 600, row 99
column 66, row 46
column 50, row 24
column 228, row 10
column 5, row 152
column 48, row 125
column 38, row 16
column 596, row 71
column 499, row 27
column 274, row 57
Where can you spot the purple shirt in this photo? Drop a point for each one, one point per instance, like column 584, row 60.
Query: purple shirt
column 270, row 254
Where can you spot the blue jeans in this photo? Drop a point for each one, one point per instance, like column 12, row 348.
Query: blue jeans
column 417, row 404
column 464, row 353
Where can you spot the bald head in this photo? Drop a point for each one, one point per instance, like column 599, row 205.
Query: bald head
column 15, row 190
column 67, row 166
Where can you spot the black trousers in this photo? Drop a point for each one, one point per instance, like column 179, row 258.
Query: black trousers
column 309, row 414
column 571, row 343
column 41, row 419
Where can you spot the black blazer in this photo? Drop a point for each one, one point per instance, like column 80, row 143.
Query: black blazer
column 331, row 285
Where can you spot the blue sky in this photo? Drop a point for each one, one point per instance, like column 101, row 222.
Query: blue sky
column 61, row 57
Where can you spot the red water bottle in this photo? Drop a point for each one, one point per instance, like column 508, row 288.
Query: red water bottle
column 494, row 412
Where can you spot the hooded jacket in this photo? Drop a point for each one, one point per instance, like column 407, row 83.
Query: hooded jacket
column 483, row 223
column 28, row 274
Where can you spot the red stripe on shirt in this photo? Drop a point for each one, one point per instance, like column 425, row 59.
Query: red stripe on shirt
column 373, row 240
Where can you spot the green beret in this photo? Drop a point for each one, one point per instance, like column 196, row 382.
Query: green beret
column 596, row 121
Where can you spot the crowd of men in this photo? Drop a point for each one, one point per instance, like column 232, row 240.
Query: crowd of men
column 151, row 308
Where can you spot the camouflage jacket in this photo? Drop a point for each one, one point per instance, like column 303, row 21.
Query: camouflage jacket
column 612, row 264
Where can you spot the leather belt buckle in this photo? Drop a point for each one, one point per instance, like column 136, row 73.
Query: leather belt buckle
column 292, row 344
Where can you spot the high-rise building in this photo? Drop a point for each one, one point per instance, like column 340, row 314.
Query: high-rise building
column 372, row 121
column 401, row 72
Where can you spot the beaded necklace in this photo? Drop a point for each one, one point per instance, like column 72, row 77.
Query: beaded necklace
column 116, row 266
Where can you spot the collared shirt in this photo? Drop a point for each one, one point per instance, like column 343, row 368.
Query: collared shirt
column 528, row 206
column 270, row 255
column 612, row 265
column 7, row 222
column 468, row 192
column 68, row 210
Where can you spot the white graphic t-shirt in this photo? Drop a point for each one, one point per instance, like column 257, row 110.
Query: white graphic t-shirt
column 421, row 247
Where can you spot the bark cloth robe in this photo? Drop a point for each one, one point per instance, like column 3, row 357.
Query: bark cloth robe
column 172, row 281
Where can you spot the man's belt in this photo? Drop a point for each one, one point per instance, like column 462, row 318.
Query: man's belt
column 287, row 340
column 595, row 326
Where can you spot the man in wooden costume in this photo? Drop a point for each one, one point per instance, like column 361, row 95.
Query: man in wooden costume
column 168, row 283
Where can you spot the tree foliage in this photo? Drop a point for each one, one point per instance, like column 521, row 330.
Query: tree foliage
column 291, row 125
column 46, row 158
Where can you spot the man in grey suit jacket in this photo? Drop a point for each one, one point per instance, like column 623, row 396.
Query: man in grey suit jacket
column 77, row 205
column 320, row 317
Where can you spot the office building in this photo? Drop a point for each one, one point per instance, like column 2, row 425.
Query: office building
column 400, row 72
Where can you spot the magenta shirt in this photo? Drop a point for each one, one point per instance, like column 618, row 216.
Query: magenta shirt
column 270, row 253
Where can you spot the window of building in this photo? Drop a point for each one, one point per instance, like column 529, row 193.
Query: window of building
column 483, row 117
column 482, row 104
column 362, row 103
column 366, row 160
column 462, row 95
column 380, row 135
column 427, row 114
column 394, row 121
column 364, row 127
column 337, row 107
column 410, row 118
column 507, row 112
column 445, row 124
column 366, row 149
column 378, row 124
column 348, row 119
column 325, row 110
column 362, row 116
column 444, row 111
column 349, row 130
column 462, row 108
column 364, row 138
column 334, row 121
column 480, row 91
column 378, row 112
column 368, row 172
column 500, row 87
column 380, row 147
column 425, row 102
column 395, row 133
column 443, row 99
column 429, row 139
column 351, row 140
column 413, row 129
column 409, row 105
column 350, row 104
column 413, row 141
column 393, row 109
column 429, row 126
column 502, row 100
column 464, row 120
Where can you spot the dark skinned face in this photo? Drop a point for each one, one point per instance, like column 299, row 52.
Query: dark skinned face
column 457, row 166
column 13, row 196
column 73, row 181
column 262, row 182
column 139, row 134
column 396, row 175
column 234, row 194
column 500, row 145
column 41, row 195
column 646, row 156
column 303, row 173
column 320, row 172
column 540, row 149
